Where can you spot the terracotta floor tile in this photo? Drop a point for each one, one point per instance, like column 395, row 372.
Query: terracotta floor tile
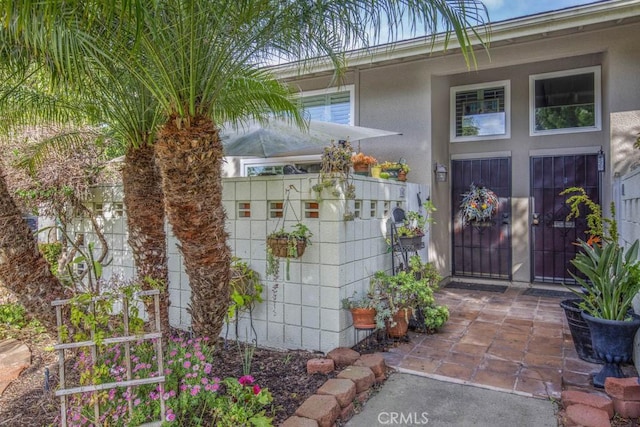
column 543, row 349
column 418, row 364
column 428, row 352
column 576, row 379
column 553, row 375
column 495, row 379
column 506, row 353
column 579, row 365
column 496, row 364
column 527, row 323
column 476, row 339
column 454, row 370
column 543, row 360
column 437, row 343
column 469, row 348
column 517, row 338
column 467, row 359
column 494, row 317
column 547, row 332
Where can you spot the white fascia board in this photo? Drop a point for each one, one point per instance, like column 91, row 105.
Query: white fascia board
column 511, row 30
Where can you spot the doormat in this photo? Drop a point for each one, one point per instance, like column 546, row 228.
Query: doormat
column 533, row 292
column 477, row 287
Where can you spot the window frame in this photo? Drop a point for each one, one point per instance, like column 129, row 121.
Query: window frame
column 597, row 100
column 335, row 89
column 506, row 84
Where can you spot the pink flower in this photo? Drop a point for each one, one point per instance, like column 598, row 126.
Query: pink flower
column 207, row 368
column 256, row 389
column 246, row 380
column 187, row 355
column 186, row 364
column 204, row 381
column 195, row 390
column 171, row 416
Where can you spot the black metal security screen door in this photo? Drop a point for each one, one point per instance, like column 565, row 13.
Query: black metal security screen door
column 553, row 237
column 483, row 249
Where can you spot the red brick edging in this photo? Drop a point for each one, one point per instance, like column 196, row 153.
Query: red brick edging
column 596, row 409
column 335, row 399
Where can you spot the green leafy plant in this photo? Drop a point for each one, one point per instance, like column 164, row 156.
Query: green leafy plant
column 51, row 252
column 612, row 279
column 246, row 288
column 286, row 244
column 416, row 222
column 610, row 275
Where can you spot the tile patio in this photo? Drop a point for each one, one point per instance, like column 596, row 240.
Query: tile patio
column 503, row 341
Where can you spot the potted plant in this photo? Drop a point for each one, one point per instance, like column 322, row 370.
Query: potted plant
column 411, row 233
column 404, row 295
column 288, row 245
column 610, row 279
column 361, row 163
column 363, row 310
column 395, row 170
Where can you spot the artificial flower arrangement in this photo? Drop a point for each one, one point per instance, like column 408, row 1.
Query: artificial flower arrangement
column 362, row 159
column 478, row 204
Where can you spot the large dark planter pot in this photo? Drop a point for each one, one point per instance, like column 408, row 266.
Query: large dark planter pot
column 580, row 331
column 612, row 341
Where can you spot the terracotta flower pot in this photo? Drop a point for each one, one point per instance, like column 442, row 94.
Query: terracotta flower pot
column 401, row 319
column 361, row 169
column 363, row 318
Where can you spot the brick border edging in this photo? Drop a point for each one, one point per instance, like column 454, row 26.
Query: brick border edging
column 587, row 408
column 336, row 398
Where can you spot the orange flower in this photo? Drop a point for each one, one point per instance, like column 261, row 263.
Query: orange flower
column 361, row 158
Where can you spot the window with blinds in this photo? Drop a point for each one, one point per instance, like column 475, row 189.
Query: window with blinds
column 480, row 111
column 332, row 107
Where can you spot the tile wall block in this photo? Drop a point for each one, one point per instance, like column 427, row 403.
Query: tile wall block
column 342, row 257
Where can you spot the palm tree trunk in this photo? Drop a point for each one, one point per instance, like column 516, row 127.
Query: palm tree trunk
column 144, row 201
column 189, row 157
column 23, row 270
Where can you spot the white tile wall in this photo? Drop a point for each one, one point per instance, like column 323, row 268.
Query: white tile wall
column 308, row 311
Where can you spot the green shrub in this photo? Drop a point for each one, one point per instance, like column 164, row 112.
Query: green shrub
column 51, row 252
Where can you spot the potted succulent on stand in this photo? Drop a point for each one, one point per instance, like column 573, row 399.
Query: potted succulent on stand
column 610, row 279
column 411, row 233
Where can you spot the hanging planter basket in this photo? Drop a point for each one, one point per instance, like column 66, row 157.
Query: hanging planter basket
column 479, row 205
column 286, row 248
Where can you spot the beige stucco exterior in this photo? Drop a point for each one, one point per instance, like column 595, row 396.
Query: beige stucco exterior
column 409, row 92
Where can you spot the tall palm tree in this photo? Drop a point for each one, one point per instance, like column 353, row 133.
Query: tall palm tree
column 204, row 62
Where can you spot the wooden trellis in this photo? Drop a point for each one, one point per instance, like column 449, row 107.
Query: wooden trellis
column 125, row 339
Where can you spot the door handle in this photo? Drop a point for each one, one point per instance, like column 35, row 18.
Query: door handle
column 535, row 219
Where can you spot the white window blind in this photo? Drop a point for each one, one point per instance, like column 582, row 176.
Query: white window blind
column 331, row 107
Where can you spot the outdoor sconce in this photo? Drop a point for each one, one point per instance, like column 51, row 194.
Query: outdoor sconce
column 601, row 161
column 441, row 172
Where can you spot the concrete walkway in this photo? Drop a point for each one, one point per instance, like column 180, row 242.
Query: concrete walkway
column 15, row 357
column 412, row 400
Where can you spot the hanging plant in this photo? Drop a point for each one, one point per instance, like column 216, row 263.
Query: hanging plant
column 479, row 204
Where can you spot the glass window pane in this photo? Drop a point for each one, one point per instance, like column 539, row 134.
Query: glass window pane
column 565, row 102
column 480, row 111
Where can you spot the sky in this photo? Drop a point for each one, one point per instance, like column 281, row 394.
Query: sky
column 500, row 10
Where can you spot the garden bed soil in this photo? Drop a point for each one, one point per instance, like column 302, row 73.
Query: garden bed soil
column 26, row 402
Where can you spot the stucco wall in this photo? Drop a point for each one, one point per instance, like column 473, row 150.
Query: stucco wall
column 412, row 97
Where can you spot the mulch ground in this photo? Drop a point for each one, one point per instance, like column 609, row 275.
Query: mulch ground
column 26, row 402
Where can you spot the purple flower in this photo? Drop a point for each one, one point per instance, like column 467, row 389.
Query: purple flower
column 171, row 416
column 246, row 380
column 256, row 389
column 195, row 390
column 207, row 368
column 186, row 364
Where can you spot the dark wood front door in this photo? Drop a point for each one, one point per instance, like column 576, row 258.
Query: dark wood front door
column 553, row 237
column 482, row 249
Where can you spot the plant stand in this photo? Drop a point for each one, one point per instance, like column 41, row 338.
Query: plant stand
column 403, row 246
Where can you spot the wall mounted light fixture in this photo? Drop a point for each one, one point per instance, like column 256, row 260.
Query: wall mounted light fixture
column 601, row 166
column 441, row 172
